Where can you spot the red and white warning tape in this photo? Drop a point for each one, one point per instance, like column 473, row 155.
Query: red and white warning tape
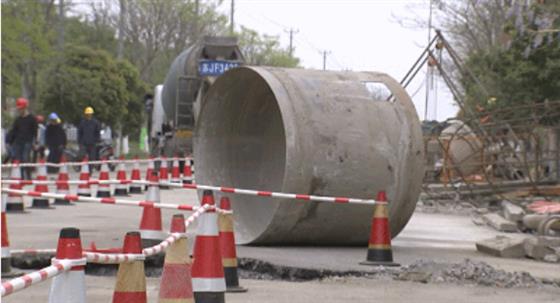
column 102, row 258
column 271, row 194
column 113, row 161
column 69, row 197
column 161, row 247
column 58, row 267
column 65, row 182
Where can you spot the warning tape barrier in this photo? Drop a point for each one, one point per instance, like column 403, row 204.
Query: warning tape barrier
column 65, row 182
column 250, row 192
column 222, row 189
column 97, row 162
column 58, row 267
column 77, row 198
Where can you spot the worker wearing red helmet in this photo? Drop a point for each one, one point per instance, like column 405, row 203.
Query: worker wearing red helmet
column 23, row 135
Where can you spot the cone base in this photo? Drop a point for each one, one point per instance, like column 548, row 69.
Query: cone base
column 121, row 192
column 7, row 271
column 236, row 289
column 163, row 187
column 41, row 204
column 209, row 297
column 150, row 242
column 84, row 195
column 187, row 181
column 135, row 190
column 380, row 263
column 103, row 194
column 62, row 202
column 15, row 208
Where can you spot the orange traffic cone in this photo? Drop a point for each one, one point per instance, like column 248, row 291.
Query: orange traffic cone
column 41, row 202
column 228, row 249
column 135, row 188
column 150, row 224
column 14, row 203
column 131, row 280
column 121, row 189
column 104, row 190
column 175, row 172
column 84, row 189
column 163, row 172
column 379, row 248
column 150, row 170
column 187, row 172
column 209, row 284
column 69, row 286
column 176, row 283
column 7, row 271
column 61, row 186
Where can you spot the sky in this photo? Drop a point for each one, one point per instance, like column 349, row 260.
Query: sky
column 358, row 35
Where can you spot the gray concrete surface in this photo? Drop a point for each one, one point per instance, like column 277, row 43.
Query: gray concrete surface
column 442, row 237
column 428, row 236
column 100, row 290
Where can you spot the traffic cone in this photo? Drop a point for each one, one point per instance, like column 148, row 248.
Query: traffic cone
column 14, row 203
column 84, row 189
column 163, row 173
column 121, row 189
column 135, row 188
column 209, row 284
column 175, row 172
column 176, row 283
column 228, row 249
column 187, row 172
column 150, row 224
column 104, row 190
column 69, row 287
column 41, row 202
column 7, row 271
column 131, row 279
column 149, row 171
column 61, row 187
column 379, row 248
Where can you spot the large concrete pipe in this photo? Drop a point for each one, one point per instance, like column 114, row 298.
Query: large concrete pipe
column 309, row 132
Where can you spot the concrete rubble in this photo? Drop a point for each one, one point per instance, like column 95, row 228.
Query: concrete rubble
column 499, row 223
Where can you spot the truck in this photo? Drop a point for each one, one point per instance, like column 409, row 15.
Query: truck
column 177, row 103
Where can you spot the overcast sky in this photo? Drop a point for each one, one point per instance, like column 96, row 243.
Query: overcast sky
column 360, row 35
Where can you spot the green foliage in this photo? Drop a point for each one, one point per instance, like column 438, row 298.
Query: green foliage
column 135, row 91
column 87, row 77
column 264, row 50
column 27, row 39
column 91, row 34
column 522, row 74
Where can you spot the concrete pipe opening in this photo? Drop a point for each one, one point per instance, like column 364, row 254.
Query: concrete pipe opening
column 309, row 132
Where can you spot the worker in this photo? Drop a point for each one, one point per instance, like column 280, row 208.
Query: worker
column 89, row 134
column 23, row 135
column 55, row 138
column 39, row 148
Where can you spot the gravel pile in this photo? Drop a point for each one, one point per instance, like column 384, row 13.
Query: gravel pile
column 467, row 272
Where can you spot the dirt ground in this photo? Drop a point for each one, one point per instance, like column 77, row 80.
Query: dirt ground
column 100, row 290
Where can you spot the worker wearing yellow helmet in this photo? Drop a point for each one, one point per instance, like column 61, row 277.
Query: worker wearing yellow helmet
column 89, row 134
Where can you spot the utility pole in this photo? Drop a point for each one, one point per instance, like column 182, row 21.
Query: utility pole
column 122, row 13
column 291, row 32
column 429, row 73
column 231, row 18
column 196, row 19
column 61, row 26
column 325, row 53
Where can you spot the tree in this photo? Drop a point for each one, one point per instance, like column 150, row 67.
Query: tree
column 264, row 50
column 27, row 38
column 135, row 89
column 84, row 78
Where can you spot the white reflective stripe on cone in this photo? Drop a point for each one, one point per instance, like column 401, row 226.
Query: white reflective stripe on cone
column 68, row 287
column 209, row 284
column 208, row 225
column 153, row 234
column 5, row 252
